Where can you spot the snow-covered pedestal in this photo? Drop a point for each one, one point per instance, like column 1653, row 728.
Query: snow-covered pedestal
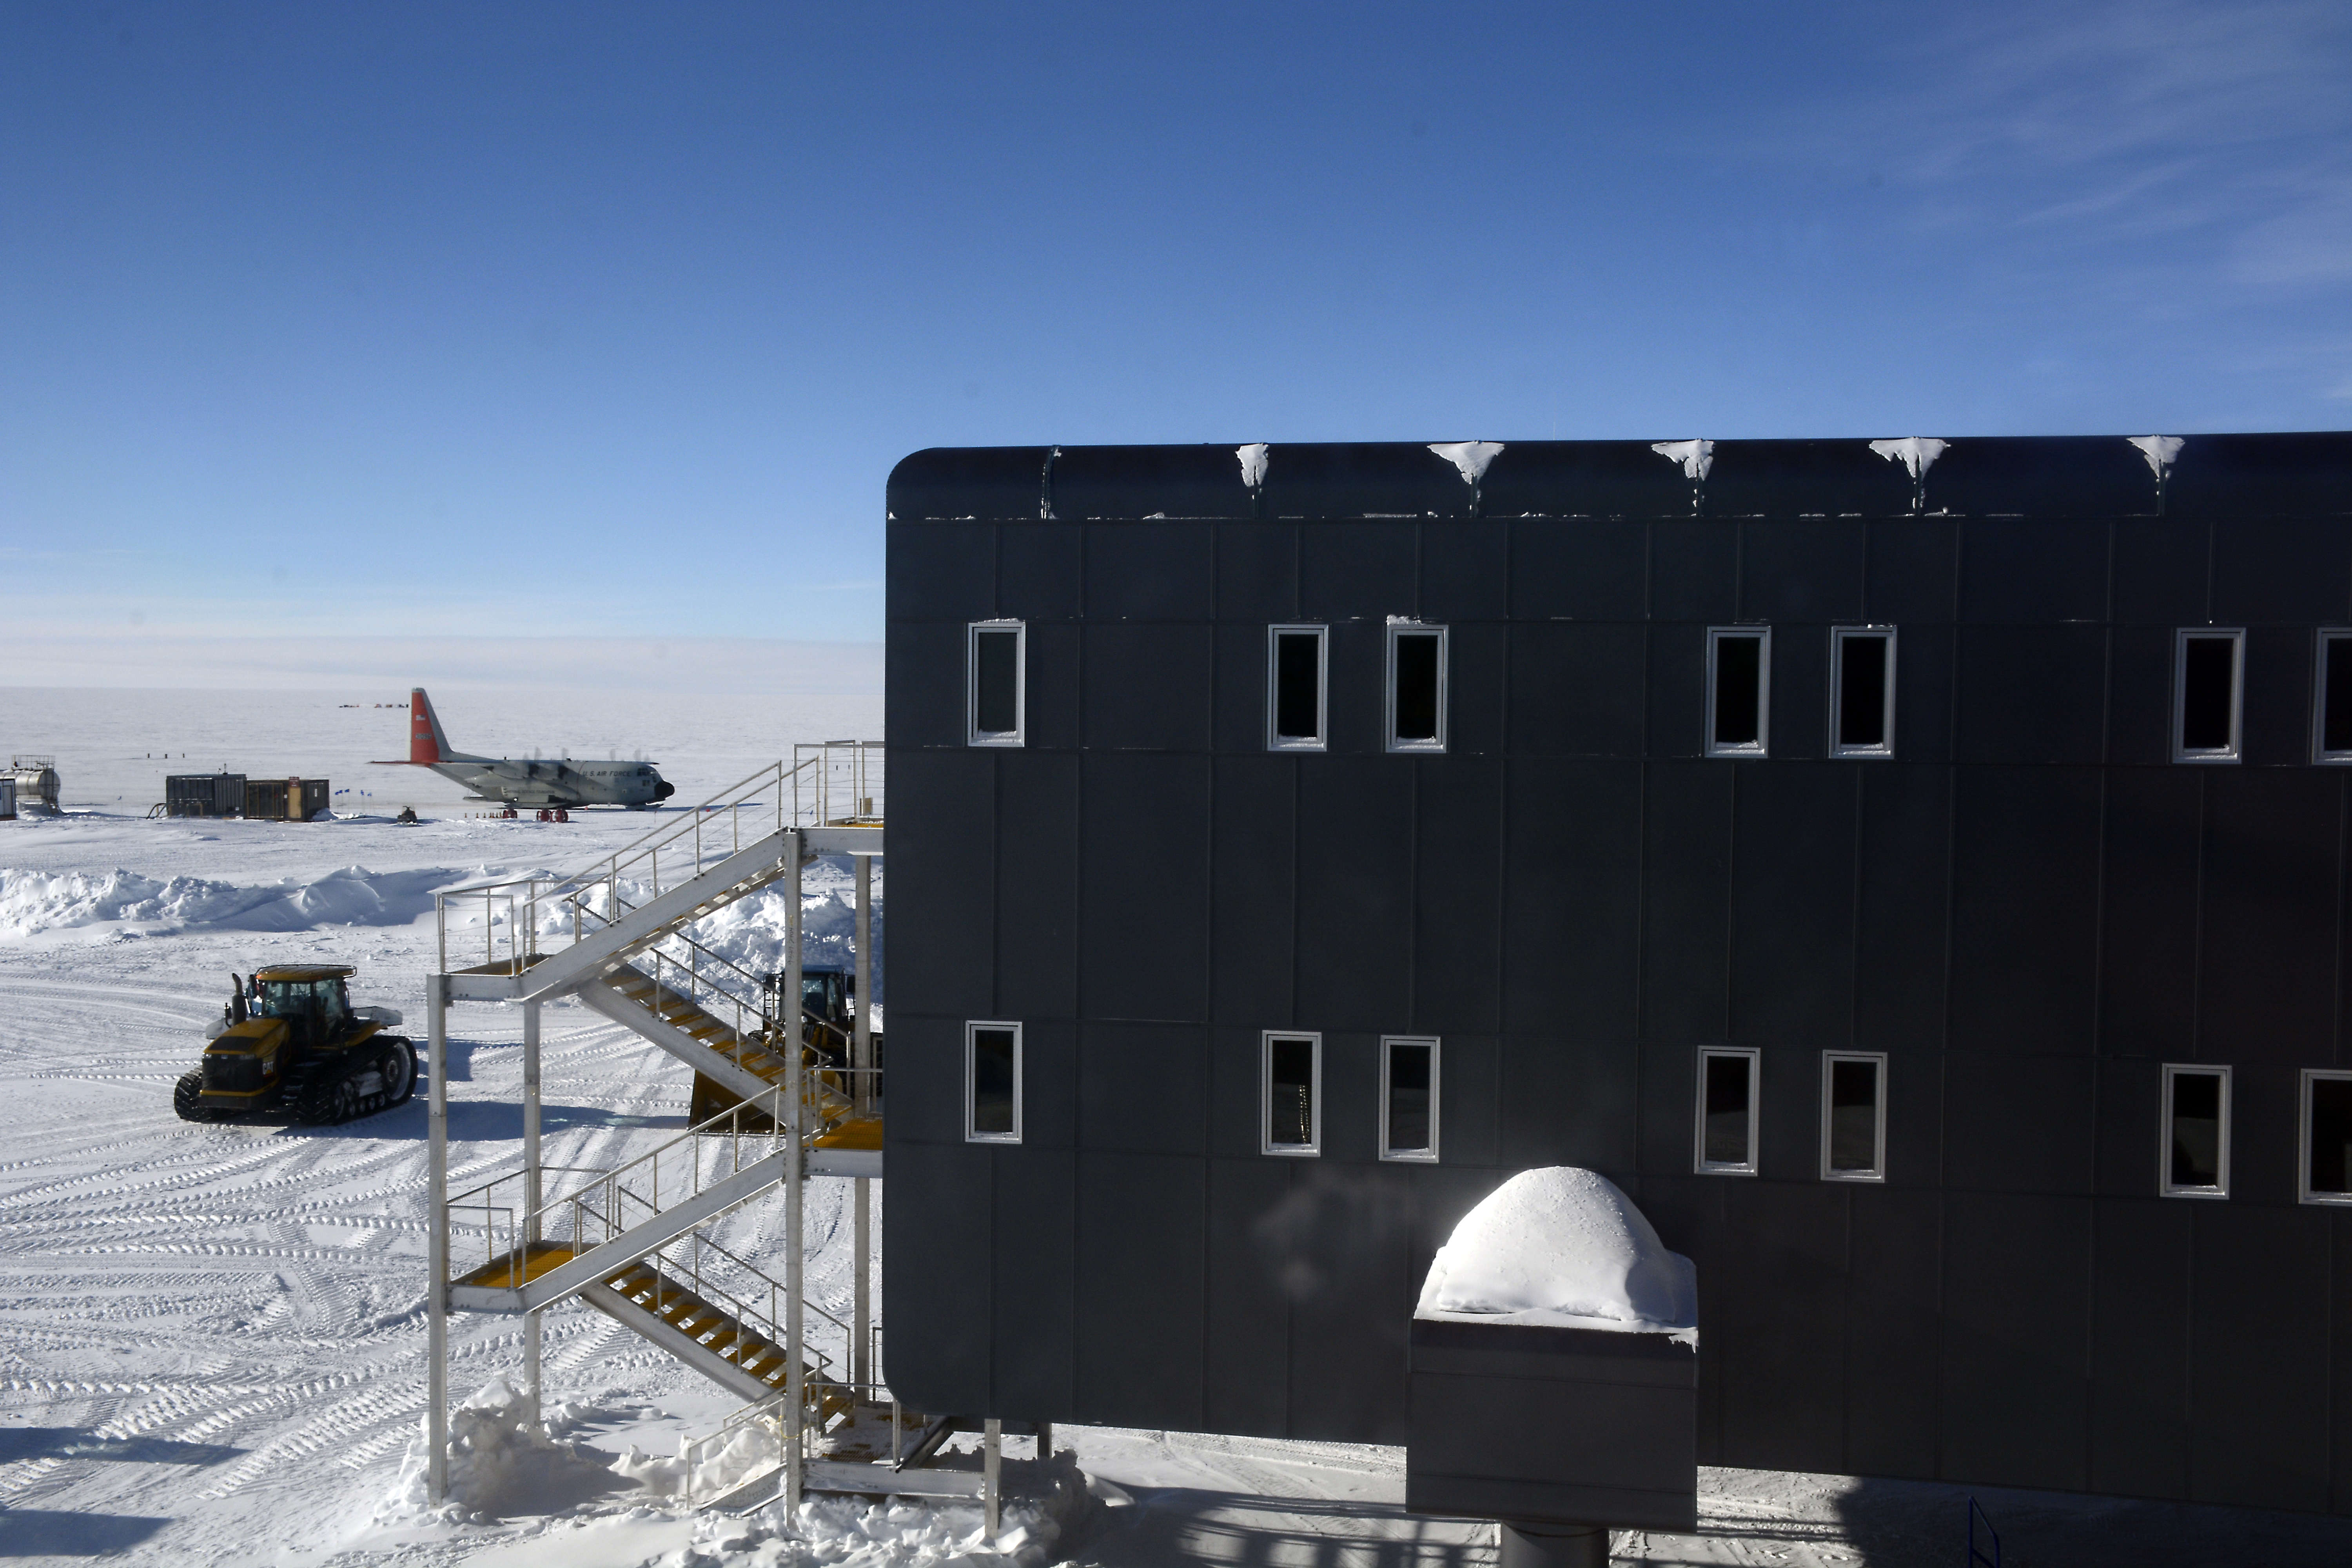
column 1555, row 1371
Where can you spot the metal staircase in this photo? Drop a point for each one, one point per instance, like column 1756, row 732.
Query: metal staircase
column 631, row 1242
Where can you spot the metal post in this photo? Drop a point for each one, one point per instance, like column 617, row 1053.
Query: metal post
column 861, row 1339
column 861, row 1041
column 795, row 1367
column 992, row 1484
column 436, row 1247
column 861, row 1061
column 1045, row 1441
column 530, row 1189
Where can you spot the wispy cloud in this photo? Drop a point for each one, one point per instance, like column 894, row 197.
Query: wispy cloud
column 2115, row 124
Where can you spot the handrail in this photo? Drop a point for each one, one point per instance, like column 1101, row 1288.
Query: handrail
column 596, row 1211
column 808, row 781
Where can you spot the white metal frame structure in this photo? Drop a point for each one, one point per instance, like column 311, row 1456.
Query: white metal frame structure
column 973, row 733
column 1877, row 1170
column 1761, row 746
column 1313, row 1147
column 1398, row 631
column 1427, row 1155
column 971, row 1132
column 2165, row 1186
column 2328, row 637
column 2236, row 638
column 627, row 1241
column 2304, row 1191
column 1275, row 740
column 1755, row 1060
column 1839, row 745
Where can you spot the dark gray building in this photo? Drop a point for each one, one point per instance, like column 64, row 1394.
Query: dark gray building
column 1916, row 873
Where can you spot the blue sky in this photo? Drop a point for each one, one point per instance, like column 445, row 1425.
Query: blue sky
column 610, row 320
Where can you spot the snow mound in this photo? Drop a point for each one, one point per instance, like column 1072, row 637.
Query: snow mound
column 36, row 901
column 500, row 1462
column 1564, row 1247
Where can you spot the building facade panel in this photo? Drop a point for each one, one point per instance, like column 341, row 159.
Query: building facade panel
column 2030, row 907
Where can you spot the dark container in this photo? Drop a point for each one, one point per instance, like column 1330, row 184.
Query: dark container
column 204, row 794
column 1553, row 1426
column 276, row 800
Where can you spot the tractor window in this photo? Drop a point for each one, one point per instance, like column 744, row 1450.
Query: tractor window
column 285, row 998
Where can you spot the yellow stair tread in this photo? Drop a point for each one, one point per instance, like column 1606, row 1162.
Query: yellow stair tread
column 540, row 1257
column 861, row 1132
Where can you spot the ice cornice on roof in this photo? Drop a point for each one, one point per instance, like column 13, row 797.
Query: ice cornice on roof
column 1470, row 457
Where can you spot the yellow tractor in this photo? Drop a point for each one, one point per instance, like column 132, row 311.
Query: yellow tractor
column 290, row 1040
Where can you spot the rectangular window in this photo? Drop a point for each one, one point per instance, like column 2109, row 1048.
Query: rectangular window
column 1854, row 1116
column 2208, row 675
column 2196, row 1132
column 1738, row 690
column 998, row 655
column 2331, row 718
column 2326, row 1154
column 1416, row 704
column 1862, row 691
column 1408, row 1098
column 1726, row 1111
column 1293, row 1079
column 991, row 1083
column 1297, row 680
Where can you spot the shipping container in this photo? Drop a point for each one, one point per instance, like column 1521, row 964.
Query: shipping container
column 267, row 800
column 204, row 794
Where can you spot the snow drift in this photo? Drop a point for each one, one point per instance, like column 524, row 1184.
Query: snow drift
column 35, row 901
column 1563, row 1247
column 500, row 1462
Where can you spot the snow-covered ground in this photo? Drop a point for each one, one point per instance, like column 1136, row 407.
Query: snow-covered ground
column 212, row 1338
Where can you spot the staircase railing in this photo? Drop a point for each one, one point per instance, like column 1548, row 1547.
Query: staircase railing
column 699, row 1271
column 601, row 1209
column 829, row 783
column 711, row 981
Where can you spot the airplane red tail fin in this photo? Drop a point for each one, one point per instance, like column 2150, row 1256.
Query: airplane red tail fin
column 427, row 744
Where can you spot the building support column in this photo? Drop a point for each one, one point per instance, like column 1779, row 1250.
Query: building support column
column 992, row 1478
column 796, row 1364
column 861, row 1349
column 531, row 1187
column 436, row 1243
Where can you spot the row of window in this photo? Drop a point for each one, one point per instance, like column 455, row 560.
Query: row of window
column 2208, row 687
column 2193, row 1159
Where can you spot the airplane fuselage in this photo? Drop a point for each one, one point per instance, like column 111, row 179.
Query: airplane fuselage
column 552, row 782
column 535, row 781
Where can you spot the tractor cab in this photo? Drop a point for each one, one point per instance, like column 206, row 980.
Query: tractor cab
column 315, row 1002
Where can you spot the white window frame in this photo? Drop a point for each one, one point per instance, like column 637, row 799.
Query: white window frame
column 1762, row 745
column 1877, row 1173
column 973, row 734
column 2236, row 636
column 1839, row 636
column 1398, row 629
column 972, row 1134
column 1321, row 740
column 1436, row 1056
column 2319, row 751
column 2164, row 1183
column 1313, row 1148
column 1699, row 1162
column 2302, row 1188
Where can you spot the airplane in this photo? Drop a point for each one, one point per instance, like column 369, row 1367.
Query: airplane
column 537, row 782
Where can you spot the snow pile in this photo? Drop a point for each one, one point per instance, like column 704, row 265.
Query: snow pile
column 1470, row 457
column 1917, row 454
column 2160, row 451
column 1564, row 1247
column 1696, row 456
column 34, row 901
column 1252, row 460
column 501, row 1461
